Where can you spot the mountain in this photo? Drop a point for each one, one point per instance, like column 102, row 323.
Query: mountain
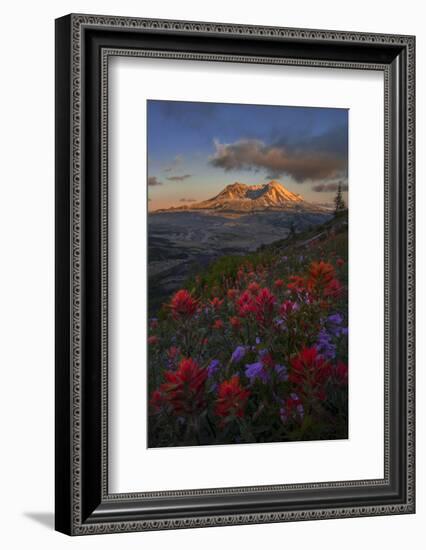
column 239, row 197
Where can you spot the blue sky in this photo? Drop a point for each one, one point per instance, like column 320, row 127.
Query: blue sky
column 196, row 149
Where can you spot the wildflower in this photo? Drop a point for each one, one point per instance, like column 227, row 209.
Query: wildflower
column 245, row 304
column 253, row 288
column 218, row 324
column 213, row 367
column 153, row 323
column 216, row 303
column 325, row 346
column 153, row 340
column 288, row 307
column 340, row 262
column 183, row 305
column 263, row 369
column 335, row 319
column 235, row 323
column 333, row 289
column 279, row 283
column 296, row 284
column 184, row 388
column 341, row 373
column 266, row 357
column 282, row 373
column 157, row 401
column 334, row 323
column 321, row 270
column 232, row 293
column 238, row 354
column 309, row 372
column 172, row 354
column 232, row 399
column 265, row 301
column 256, row 371
column 292, row 408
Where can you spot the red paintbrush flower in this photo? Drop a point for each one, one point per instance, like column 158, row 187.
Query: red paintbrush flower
column 216, row 303
column 253, row 288
column 157, row 401
column 309, row 372
column 232, row 399
column 279, row 283
column 183, row 305
column 333, row 289
column 153, row 340
column 265, row 301
column 320, row 275
column 296, row 284
column 246, row 304
column 287, row 307
column 184, row 389
column 235, row 323
column 232, row 293
column 218, row 324
column 341, row 373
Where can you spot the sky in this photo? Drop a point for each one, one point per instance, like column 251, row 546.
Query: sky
column 196, row 149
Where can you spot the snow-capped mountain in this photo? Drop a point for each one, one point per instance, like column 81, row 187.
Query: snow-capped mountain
column 239, row 197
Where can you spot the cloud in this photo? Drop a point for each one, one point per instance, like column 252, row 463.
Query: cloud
column 311, row 160
column 175, row 163
column 179, row 178
column 153, row 180
column 187, row 200
column 324, row 187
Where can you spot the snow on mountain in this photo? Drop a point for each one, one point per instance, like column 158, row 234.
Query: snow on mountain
column 239, row 197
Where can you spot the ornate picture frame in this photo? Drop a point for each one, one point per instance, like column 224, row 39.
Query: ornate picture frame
column 84, row 44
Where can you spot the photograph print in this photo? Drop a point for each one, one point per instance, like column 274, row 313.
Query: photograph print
column 247, row 273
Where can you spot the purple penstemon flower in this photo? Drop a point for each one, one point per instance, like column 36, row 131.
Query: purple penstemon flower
column 256, row 371
column 335, row 319
column 334, row 324
column 325, row 346
column 282, row 372
column 238, row 354
column 213, row 367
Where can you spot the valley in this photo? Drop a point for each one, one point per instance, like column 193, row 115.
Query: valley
column 182, row 242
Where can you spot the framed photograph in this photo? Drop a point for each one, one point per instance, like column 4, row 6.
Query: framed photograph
column 234, row 274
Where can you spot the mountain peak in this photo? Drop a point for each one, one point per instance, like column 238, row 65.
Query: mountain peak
column 241, row 198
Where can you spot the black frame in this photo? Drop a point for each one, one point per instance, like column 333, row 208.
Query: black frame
column 83, row 44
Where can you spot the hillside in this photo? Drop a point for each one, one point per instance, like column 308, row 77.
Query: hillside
column 254, row 348
column 330, row 237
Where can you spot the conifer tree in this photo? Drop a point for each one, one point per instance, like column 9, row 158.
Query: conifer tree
column 339, row 203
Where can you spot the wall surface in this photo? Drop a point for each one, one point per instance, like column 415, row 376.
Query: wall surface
column 26, row 289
